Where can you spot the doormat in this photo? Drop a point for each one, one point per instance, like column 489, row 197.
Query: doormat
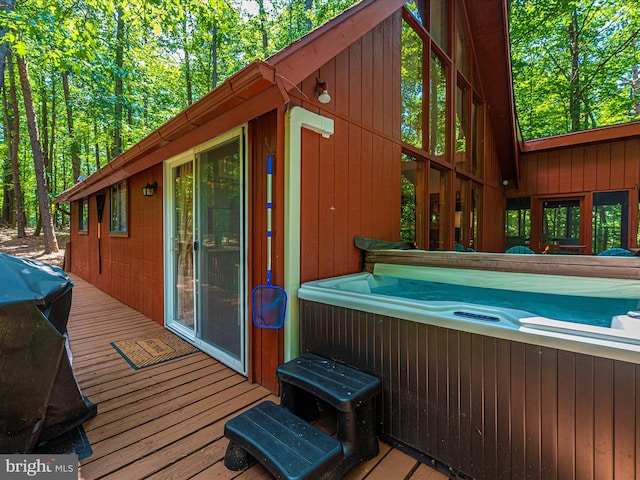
column 150, row 350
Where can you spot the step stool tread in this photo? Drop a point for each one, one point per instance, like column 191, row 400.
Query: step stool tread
column 284, row 443
column 339, row 385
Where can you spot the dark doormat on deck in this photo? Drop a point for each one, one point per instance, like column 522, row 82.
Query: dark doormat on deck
column 150, row 350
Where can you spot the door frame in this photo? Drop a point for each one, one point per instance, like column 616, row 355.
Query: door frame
column 192, row 336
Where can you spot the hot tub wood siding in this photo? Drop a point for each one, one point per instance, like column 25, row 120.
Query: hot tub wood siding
column 487, row 407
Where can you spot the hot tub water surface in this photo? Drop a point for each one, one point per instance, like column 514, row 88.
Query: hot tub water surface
column 596, row 311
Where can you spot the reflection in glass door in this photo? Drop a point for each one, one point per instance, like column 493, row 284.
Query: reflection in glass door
column 182, row 241
column 220, row 200
column 205, row 254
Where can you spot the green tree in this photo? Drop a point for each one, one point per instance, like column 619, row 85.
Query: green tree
column 573, row 63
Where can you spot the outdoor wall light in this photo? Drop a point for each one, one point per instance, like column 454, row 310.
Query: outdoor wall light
column 149, row 190
column 321, row 91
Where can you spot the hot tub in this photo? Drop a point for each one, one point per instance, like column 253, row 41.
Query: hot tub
column 488, row 387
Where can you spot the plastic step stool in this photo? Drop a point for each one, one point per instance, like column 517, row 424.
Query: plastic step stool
column 286, row 445
column 349, row 391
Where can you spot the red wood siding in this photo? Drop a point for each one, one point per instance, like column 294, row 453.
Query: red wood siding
column 265, row 345
column 577, row 172
column 132, row 264
column 351, row 181
column 605, row 166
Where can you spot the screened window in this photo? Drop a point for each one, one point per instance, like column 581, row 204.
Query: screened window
column 518, row 222
column 118, row 217
column 610, row 221
column 561, row 222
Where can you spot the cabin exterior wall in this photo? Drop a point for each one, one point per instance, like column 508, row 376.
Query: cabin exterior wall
column 132, row 267
column 578, row 172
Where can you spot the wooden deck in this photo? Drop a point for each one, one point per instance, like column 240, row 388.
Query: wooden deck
column 167, row 421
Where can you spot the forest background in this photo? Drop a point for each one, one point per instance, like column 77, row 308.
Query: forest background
column 82, row 81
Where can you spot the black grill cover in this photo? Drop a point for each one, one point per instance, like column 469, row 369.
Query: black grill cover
column 39, row 396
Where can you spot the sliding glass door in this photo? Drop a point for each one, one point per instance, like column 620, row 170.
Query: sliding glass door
column 205, row 226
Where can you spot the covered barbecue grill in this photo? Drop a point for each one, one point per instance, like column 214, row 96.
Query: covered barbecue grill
column 39, row 397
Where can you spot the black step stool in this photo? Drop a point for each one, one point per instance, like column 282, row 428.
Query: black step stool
column 285, row 444
column 304, row 381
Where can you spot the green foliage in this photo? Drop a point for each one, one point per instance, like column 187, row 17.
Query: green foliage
column 165, row 42
column 573, row 64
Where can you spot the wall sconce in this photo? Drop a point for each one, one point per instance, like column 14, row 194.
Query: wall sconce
column 149, row 190
column 321, row 91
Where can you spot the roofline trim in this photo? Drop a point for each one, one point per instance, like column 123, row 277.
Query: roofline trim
column 572, row 139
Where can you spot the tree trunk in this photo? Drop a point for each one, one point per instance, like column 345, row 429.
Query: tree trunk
column 14, row 132
column 574, row 79
column 187, row 66
column 50, row 242
column 44, row 119
column 635, row 89
column 6, row 6
column 308, row 5
column 96, row 146
column 8, row 204
column 263, row 26
column 75, row 154
column 214, row 56
column 118, row 90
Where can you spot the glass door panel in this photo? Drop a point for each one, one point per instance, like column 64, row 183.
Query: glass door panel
column 220, row 226
column 183, row 261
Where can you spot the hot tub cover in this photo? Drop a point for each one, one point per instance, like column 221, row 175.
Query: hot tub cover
column 39, row 397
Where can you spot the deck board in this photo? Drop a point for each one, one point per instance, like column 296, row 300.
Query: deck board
column 167, row 421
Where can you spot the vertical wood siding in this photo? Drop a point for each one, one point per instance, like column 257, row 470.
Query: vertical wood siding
column 265, row 345
column 487, row 407
column 613, row 165
column 132, row 264
column 351, row 181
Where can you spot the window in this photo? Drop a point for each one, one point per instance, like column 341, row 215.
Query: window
column 411, row 206
column 83, row 214
column 462, row 217
column 518, row 222
column 561, row 222
column 463, row 123
column 462, row 43
column 434, row 16
column 477, row 153
column 118, row 217
column 412, row 86
column 438, row 209
column 610, row 221
column 437, row 107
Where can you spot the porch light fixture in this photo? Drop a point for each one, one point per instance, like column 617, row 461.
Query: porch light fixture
column 321, row 91
column 149, row 190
